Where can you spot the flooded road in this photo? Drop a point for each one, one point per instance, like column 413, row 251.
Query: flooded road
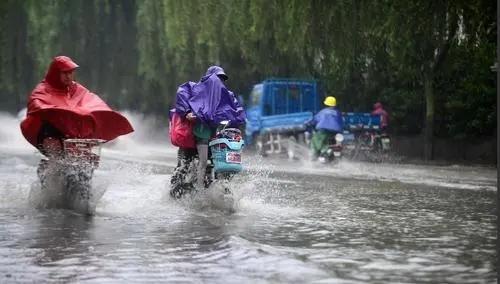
column 293, row 223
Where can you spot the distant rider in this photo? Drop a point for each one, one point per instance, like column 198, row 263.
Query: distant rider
column 327, row 122
column 207, row 103
column 378, row 109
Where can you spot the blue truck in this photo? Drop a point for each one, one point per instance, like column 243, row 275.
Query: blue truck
column 277, row 112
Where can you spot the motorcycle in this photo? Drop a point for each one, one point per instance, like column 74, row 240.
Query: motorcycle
column 373, row 145
column 224, row 161
column 66, row 180
column 334, row 151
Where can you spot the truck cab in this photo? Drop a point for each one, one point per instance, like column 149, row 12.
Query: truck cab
column 279, row 109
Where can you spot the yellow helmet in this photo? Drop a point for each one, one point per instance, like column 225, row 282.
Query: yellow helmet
column 330, row 101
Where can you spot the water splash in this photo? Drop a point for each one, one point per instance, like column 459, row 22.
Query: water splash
column 60, row 190
column 10, row 133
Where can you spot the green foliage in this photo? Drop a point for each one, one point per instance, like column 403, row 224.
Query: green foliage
column 135, row 53
column 468, row 100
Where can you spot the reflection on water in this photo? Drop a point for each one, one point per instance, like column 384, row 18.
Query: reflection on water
column 287, row 228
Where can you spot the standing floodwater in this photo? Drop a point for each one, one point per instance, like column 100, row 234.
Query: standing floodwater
column 293, row 223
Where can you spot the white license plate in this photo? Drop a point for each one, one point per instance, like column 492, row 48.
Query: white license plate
column 233, row 157
column 386, row 140
column 336, row 154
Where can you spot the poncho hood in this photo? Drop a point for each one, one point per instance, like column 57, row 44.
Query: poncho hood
column 217, row 70
column 58, row 65
column 378, row 105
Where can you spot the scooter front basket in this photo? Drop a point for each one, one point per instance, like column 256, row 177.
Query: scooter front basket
column 83, row 150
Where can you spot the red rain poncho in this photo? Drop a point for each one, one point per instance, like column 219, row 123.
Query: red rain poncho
column 73, row 110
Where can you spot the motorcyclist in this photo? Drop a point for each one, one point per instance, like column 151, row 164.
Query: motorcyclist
column 207, row 103
column 327, row 122
column 60, row 108
column 375, row 137
column 378, row 109
column 60, row 77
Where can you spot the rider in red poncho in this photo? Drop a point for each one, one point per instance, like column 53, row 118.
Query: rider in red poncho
column 60, row 108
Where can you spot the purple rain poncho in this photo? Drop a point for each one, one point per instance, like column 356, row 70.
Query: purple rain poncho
column 210, row 101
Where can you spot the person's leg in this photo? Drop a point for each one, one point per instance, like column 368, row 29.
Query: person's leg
column 52, row 147
column 202, row 148
column 184, row 158
column 325, row 143
column 315, row 146
column 42, row 170
column 318, row 142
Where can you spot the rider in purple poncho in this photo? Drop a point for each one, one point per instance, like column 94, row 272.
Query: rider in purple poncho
column 208, row 102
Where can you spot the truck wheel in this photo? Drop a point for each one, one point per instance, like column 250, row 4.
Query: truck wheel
column 259, row 145
column 291, row 149
column 301, row 139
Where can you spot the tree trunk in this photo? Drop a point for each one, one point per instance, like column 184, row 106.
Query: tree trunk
column 429, row 116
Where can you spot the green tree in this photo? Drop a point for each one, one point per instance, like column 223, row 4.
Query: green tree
column 427, row 61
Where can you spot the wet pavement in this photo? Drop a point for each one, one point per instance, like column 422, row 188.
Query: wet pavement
column 287, row 222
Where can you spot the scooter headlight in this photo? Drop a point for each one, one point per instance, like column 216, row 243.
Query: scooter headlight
column 339, row 137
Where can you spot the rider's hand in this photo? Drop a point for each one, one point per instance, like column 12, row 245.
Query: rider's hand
column 190, row 116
